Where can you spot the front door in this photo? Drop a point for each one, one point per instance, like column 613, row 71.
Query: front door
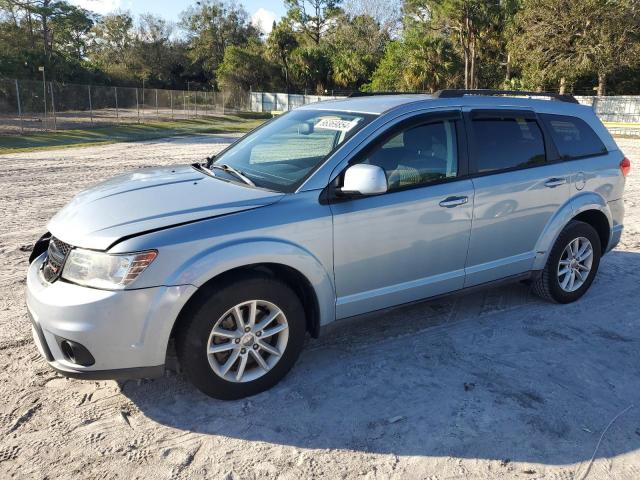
column 411, row 242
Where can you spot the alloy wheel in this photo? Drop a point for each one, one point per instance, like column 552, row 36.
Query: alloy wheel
column 575, row 264
column 247, row 341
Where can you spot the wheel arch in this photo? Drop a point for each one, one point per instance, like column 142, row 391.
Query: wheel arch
column 302, row 271
column 588, row 207
column 293, row 278
column 600, row 223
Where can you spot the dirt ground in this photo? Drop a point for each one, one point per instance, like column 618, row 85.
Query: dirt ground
column 495, row 384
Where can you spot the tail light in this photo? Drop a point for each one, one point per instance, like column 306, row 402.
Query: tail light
column 625, row 166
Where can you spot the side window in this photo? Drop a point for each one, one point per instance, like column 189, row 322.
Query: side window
column 506, row 142
column 418, row 155
column 573, row 137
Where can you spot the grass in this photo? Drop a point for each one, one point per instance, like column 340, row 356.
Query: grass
column 242, row 122
column 127, row 133
column 622, row 124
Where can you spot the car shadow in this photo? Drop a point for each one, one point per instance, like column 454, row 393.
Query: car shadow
column 496, row 374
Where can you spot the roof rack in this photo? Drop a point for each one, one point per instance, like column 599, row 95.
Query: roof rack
column 514, row 93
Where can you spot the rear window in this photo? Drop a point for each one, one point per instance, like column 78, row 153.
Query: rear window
column 506, row 142
column 573, row 137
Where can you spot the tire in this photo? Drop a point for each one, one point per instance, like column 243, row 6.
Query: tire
column 549, row 284
column 215, row 307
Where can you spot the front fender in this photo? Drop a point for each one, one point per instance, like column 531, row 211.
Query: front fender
column 225, row 257
column 576, row 205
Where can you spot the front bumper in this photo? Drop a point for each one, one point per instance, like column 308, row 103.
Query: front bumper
column 126, row 331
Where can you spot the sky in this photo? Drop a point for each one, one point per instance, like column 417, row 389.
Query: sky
column 262, row 12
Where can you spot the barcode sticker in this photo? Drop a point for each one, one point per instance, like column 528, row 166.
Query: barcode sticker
column 336, row 124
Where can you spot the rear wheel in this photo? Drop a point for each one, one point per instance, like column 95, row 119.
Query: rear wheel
column 243, row 338
column 572, row 264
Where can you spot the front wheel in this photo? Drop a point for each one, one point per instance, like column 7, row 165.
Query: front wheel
column 572, row 264
column 243, row 338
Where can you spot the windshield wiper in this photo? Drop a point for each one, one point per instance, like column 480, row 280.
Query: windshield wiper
column 229, row 169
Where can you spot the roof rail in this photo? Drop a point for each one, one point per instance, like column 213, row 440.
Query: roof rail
column 372, row 94
column 514, row 93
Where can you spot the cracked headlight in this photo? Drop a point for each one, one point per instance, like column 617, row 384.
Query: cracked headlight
column 103, row 270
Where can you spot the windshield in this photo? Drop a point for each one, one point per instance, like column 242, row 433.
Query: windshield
column 281, row 154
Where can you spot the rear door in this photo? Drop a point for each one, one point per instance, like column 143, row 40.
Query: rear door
column 519, row 182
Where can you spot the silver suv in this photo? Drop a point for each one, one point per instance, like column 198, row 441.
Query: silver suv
column 333, row 210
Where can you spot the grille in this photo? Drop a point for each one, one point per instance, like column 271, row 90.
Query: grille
column 56, row 256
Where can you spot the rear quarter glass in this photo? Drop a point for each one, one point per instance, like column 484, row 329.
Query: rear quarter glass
column 573, row 137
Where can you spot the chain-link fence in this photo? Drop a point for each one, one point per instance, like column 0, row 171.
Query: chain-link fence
column 621, row 113
column 623, row 109
column 279, row 102
column 29, row 106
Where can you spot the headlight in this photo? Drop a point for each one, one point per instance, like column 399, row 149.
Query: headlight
column 103, row 270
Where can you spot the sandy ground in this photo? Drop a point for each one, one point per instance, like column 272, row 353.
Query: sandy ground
column 495, row 384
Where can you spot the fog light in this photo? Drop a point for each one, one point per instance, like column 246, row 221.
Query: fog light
column 75, row 352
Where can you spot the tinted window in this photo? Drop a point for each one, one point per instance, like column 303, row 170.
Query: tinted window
column 573, row 137
column 507, row 142
column 418, row 155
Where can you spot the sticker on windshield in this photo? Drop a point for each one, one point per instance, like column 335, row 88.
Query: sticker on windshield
column 336, row 124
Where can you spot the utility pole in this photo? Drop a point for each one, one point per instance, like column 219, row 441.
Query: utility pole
column 44, row 96
column 53, row 107
column 90, row 104
column 19, row 107
column 115, row 93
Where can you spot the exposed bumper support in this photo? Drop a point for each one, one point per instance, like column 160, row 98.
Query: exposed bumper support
column 614, row 238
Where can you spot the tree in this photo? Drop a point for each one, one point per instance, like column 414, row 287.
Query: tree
column 70, row 30
column 45, row 9
column 417, row 62
column 311, row 67
column 56, row 17
column 312, row 17
column 43, row 32
column 611, row 37
column 212, row 26
column 506, row 29
column 245, row 67
column 356, row 46
column 327, row 44
column 111, row 46
column 388, row 13
column 153, row 52
column 280, row 44
column 559, row 40
column 467, row 21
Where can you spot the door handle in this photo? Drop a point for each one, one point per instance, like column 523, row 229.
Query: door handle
column 555, row 182
column 451, row 202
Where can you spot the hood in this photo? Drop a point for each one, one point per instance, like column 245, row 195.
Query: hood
column 147, row 200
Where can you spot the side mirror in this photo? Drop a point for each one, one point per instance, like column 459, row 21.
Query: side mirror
column 362, row 179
